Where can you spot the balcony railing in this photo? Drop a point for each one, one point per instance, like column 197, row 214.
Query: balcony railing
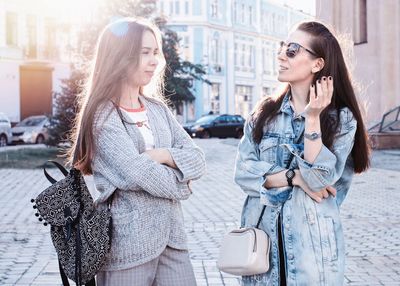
column 390, row 122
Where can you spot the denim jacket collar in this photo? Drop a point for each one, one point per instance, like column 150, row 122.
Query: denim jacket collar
column 287, row 108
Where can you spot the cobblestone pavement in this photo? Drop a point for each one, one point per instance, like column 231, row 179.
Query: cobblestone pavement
column 370, row 215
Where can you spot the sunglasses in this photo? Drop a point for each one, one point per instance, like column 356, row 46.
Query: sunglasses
column 292, row 49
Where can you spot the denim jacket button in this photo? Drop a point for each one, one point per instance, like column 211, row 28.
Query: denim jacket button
column 290, row 256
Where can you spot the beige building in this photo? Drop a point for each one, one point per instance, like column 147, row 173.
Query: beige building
column 35, row 55
column 374, row 26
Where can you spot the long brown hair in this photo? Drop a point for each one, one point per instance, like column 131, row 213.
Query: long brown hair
column 326, row 46
column 117, row 53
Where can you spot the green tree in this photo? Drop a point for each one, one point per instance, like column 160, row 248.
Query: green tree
column 65, row 108
column 179, row 74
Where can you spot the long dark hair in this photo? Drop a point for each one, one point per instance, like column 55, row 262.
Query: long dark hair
column 326, row 46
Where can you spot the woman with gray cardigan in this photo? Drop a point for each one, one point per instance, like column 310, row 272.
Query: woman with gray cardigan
column 139, row 156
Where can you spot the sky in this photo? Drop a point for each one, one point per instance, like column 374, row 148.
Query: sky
column 67, row 9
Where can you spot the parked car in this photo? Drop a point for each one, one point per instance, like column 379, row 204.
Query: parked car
column 5, row 130
column 32, row 129
column 222, row 126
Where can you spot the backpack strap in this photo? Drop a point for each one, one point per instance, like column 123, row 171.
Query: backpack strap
column 59, row 166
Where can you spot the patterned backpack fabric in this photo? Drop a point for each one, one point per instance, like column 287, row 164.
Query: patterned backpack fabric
column 81, row 234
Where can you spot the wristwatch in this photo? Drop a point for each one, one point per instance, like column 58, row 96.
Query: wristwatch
column 289, row 177
column 312, row 136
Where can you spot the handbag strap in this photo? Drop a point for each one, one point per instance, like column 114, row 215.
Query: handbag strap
column 287, row 167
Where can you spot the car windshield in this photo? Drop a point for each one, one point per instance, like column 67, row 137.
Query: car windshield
column 30, row 122
column 206, row 119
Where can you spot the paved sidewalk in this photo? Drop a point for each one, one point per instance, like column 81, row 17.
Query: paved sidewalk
column 370, row 214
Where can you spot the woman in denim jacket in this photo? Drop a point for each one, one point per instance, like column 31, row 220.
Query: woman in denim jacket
column 302, row 202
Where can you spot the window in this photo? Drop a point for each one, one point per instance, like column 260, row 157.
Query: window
column 185, row 47
column 186, row 7
column 235, row 12
column 266, row 91
column 186, row 41
column 214, row 50
column 12, row 28
column 50, row 35
column 222, row 119
column 243, row 97
column 273, row 19
column 268, row 59
column 250, row 15
column 171, row 8
column 214, row 9
column 215, row 90
column 177, row 7
column 239, row 118
column 243, row 12
column 269, row 22
column 360, row 21
column 236, row 51
column 274, row 58
column 32, row 34
column 250, row 55
column 242, row 54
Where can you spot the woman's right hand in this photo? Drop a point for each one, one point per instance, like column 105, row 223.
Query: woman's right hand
column 316, row 196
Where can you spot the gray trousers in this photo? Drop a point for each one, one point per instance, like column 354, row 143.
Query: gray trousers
column 171, row 268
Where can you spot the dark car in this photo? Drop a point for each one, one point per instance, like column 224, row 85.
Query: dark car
column 222, row 126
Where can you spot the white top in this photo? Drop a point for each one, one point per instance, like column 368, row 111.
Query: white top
column 139, row 116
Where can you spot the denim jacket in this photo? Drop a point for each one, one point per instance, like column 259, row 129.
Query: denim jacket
column 312, row 232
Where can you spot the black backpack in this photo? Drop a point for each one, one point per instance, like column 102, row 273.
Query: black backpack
column 81, row 234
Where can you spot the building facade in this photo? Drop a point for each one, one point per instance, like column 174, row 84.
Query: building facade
column 374, row 27
column 34, row 57
column 236, row 40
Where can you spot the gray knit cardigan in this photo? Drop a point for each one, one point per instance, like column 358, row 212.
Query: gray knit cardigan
column 146, row 209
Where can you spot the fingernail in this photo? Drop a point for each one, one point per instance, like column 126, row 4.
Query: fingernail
column 323, row 78
column 312, row 85
column 329, row 77
column 319, row 81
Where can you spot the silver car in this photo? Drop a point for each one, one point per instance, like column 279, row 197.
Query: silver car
column 5, row 130
column 32, row 129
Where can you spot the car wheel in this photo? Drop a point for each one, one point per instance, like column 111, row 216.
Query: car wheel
column 40, row 139
column 239, row 133
column 206, row 134
column 3, row 140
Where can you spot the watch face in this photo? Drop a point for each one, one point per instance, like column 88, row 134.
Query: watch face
column 290, row 174
column 312, row 136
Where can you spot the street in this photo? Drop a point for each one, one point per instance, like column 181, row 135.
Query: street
column 370, row 216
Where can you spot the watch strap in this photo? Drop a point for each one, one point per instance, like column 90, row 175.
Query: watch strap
column 312, row 136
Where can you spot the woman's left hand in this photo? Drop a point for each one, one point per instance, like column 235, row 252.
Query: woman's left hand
column 316, row 196
column 321, row 99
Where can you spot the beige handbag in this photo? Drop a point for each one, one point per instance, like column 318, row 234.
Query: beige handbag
column 245, row 251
